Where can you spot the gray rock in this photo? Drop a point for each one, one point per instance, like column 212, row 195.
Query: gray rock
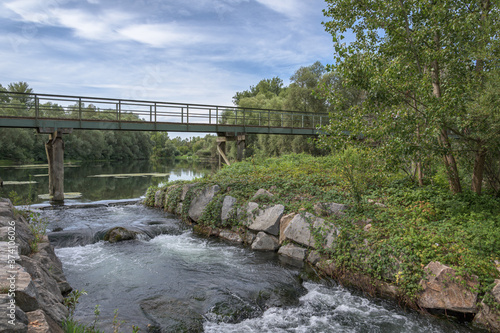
column 444, row 290
column 313, row 258
column 159, row 198
column 299, row 229
column 20, row 320
column 329, row 208
column 119, row 234
column 231, row 236
column 227, row 207
column 249, row 237
column 487, row 316
column 7, row 209
column 8, row 252
column 185, row 190
column 201, row 201
column 26, row 294
column 49, row 294
column 265, row 242
column 172, row 315
column 52, row 265
column 267, row 220
column 293, row 251
column 262, row 192
column 284, row 222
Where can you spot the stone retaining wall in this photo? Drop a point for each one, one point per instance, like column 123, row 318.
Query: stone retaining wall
column 265, row 228
column 32, row 285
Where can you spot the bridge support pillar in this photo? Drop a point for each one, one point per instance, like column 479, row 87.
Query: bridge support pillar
column 221, row 146
column 241, row 145
column 55, row 157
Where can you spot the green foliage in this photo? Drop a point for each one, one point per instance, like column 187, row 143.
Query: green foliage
column 72, row 300
column 428, row 72
column 38, row 226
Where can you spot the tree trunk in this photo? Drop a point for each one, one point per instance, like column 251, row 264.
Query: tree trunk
column 478, row 172
column 450, row 163
column 448, row 158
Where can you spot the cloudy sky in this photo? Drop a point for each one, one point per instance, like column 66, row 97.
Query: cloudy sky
column 195, row 51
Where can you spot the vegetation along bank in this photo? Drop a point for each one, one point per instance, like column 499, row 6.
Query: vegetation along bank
column 423, row 246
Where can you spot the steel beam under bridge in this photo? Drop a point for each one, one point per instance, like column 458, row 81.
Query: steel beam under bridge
column 93, row 113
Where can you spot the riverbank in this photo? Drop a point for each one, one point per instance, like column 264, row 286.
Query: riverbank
column 32, row 282
column 429, row 250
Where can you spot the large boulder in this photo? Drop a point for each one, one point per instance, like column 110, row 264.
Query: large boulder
column 265, row 242
column 51, row 263
column 119, row 234
column 267, row 220
column 49, row 294
column 201, row 201
column 444, row 290
column 227, row 207
column 12, row 314
column 293, row 251
column 27, row 297
column 300, row 229
column 489, row 316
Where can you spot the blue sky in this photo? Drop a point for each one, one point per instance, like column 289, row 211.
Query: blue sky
column 201, row 51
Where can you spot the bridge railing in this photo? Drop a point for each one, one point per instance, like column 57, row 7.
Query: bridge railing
column 46, row 106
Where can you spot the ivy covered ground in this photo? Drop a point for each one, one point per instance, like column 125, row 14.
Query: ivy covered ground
column 393, row 228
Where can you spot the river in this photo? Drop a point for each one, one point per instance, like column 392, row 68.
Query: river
column 172, row 280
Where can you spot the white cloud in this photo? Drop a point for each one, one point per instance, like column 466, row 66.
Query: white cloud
column 162, row 35
column 290, row 8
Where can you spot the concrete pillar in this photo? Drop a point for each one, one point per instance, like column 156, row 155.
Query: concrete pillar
column 55, row 155
column 240, row 142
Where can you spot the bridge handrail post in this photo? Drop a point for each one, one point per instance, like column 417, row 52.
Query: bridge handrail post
column 302, row 120
column 182, row 115
column 151, row 113
column 37, row 107
column 269, row 120
column 217, row 119
column 187, row 114
column 236, row 117
column 80, row 110
column 210, row 116
column 259, row 117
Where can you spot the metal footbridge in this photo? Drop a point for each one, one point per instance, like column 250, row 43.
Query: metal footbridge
column 45, row 111
column 61, row 114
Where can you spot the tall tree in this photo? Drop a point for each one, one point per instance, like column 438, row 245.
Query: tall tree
column 420, row 63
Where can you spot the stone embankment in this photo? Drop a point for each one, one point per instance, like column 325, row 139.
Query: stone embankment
column 264, row 227
column 32, row 284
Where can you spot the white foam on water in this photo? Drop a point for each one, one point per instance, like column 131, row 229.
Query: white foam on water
column 328, row 309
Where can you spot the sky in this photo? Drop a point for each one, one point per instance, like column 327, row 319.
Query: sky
column 187, row 51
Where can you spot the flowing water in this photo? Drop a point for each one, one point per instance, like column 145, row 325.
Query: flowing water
column 171, row 280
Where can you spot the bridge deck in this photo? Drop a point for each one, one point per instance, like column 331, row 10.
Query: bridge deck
column 77, row 112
